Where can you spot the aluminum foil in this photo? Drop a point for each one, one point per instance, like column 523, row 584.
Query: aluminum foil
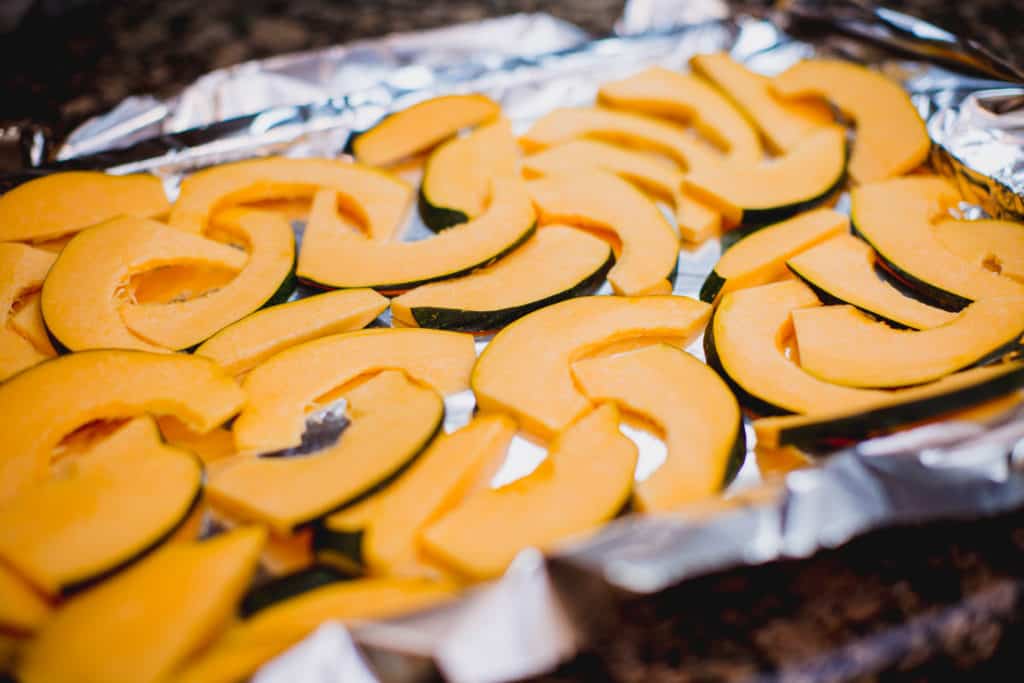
column 545, row 609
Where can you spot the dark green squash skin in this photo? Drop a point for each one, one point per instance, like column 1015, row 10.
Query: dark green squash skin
column 343, row 549
column 436, row 217
column 289, row 586
column 737, row 454
column 486, row 321
column 776, row 214
column 755, row 405
column 711, row 287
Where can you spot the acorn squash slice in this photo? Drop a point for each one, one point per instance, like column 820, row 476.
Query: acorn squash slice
column 420, row 127
column 80, row 296
column 267, row 278
column 243, row 345
column 585, row 481
column 392, row 421
column 995, row 245
column 457, row 176
column 524, row 371
column 657, row 91
column 144, row 623
column 69, row 531
column 842, row 345
column 891, row 137
column 649, row 249
column 247, row 645
column 690, row 404
column 761, row 193
column 377, row 199
column 828, row 430
column 659, row 176
column 842, row 271
column 22, row 609
column 59, row 204
column 555, row 264
column 279, row 389
column 760, row 257
column 42, row 405
column 348, row 260
column 895, row 217
column 745, row 343
column 784, row 124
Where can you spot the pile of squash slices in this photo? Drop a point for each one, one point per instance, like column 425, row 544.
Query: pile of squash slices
column 159, row 374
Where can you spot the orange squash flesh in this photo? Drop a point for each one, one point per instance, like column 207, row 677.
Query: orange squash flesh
column 211, row 446
column 28, row 322
column 995, row 245
column 22, row 609
column 22, row 270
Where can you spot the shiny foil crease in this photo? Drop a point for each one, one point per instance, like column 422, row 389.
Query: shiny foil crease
column 545, row 609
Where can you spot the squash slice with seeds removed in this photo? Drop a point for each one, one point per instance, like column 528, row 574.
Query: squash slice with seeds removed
column 995, row 245
column 557, row 263
column 691, row 405
column 22, row 271
column 842, row 345
column 61, row 204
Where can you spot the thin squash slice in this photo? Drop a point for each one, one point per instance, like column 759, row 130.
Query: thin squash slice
column 249, row 644
column 80, row 296
column 784, row 124
column 347, row 260
column 245, row 344
column 70, row 531
column 144, row 623
column 22, row 608
column 746, row 344
column 810, row 172
column 660, row 92
column 649, row 250
column 842, row 345
column 421, row 126
column 457, row 176
column 833, row 428
column 895, row 217
column 995, row 245
column 524, row 371
column 891, row 136
column 40, row 406
column 842, row 271
column 392, row 421
column 377, row 199
column 586, row 480
column 386, row 542
column 557, row 263
column 692, row 407
column 760, row 258
column 279, row 389
column 651, row 173
column 60, row 204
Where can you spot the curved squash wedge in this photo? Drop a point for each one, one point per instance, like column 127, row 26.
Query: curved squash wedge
column 524, row 371
column 243, row 345
column 70, row 531
column 557, row 263
column 594, row 199
column 898, row 410
column 376, row 198
column 144, row 623
column 689, row 403
column 267, row 278
column 347, row 260
column 783, row 124
column 842, row 270
column 660, row 92
column 63, row 203
column 753, row 195
column 891, row 137
column 995, row 245
column 250, row 643
column 760, row 258
column 895, row 217
column 279, row 389
column 22, row 609
column 80, row 295
column 392, row 419
column 420, row 127
column 43, row 404
column 744, row 343
column 842, row 345
column 457, row 176
column 586, row 479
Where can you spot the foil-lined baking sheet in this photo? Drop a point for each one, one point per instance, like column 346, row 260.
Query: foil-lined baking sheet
column 545, row 609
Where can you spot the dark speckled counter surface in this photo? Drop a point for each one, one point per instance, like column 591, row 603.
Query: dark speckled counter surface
column 935, row 603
